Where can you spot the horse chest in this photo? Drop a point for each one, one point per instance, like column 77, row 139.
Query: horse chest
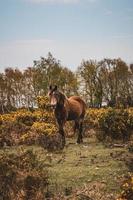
column 61, row 114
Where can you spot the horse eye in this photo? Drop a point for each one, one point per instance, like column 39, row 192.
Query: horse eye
column 49, row 93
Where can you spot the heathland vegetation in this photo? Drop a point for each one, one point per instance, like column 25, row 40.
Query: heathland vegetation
column 32, row 164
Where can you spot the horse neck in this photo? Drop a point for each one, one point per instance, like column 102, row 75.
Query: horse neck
column 59, row 106
column 59, row 111
column 66, row 103
column 62, row 106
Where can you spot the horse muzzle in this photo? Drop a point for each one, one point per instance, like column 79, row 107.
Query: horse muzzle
column 52, row 106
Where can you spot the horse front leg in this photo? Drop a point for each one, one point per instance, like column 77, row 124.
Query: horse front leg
column 62, row 133
column 80, row 130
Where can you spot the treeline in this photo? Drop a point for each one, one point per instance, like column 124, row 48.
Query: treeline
column 21, row 88
column 109, row 81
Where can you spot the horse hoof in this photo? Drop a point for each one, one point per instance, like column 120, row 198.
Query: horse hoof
column 63, row 144
column 79, row 141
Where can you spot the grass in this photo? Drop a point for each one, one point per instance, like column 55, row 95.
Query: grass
column 76, row 167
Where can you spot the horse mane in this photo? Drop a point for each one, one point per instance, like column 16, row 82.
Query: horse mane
column 63, row 98
column 62, row 93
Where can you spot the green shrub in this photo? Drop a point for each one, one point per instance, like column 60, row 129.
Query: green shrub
column 25, row 117
column 111, row 123
column 44, row 134
column 127, row 189
column 25, row 127
column 22, row 176
column 130, row 119
column 115, row 124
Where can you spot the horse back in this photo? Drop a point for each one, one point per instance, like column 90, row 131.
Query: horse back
column 76, row 107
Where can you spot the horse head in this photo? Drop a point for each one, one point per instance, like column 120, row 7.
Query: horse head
column 56, row 97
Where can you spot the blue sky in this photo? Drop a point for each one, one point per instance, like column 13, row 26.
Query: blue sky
column 71, row 30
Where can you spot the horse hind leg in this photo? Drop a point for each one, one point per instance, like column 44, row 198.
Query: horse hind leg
column 75, row 127
column 80, row 136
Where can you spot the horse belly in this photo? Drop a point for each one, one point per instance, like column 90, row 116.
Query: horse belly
column 75, row 109
column 72, row 116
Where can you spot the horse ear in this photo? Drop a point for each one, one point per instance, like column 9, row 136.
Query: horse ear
column 55, row 88
column 50, row 87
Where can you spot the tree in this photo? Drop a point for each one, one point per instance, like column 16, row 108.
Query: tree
column 89, row 75
column 51, row 72
column 115, row 78
column 2, row 93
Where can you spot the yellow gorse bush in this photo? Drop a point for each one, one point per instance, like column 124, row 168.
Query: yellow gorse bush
column 116, row 123
column 42, row 101
column 93, row 115
column 38, row 129
column 7, row 117
column 45, row 116
column 25, row 116
column 24, row 126
column 44, row 128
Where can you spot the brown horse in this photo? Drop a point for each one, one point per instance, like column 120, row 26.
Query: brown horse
column 66, row 109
